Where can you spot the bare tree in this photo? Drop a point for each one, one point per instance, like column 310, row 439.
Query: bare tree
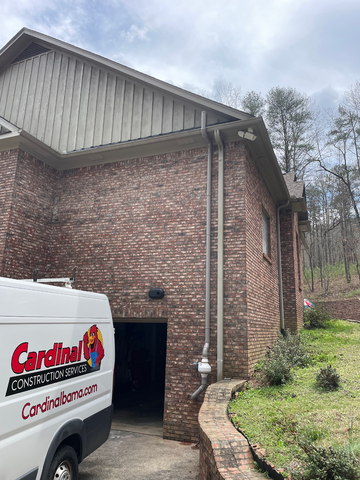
column 342, row 158
column 290, row 119
column 228, row 94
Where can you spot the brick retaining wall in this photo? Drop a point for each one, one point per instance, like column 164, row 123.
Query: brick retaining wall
column 344, row 309
column 224, row 452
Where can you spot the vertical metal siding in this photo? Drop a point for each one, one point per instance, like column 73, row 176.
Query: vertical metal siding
column 19, row 120
column 52, row 104
column 137, row 112
column 60, row 100
column 68, row 98
column 69, row 104
column 5, row 90
column 167, row 118
column 100, row 108
column 18, row 89
column 68, row 141
column 178, row 117
column 128, row 111
column 147, row 113
column 157, row 113
column 38, row 110
column 118, row 109
column 83, row 107
column 109, row 109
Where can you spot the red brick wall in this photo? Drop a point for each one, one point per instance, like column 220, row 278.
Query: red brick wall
column 345, row 309
column 292, row 278
column 235, row 323
column 262, row 271
column 132, row 225
column 29, row 197
column 8, row 164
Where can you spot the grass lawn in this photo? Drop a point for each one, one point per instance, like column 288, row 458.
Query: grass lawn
column 274, row 417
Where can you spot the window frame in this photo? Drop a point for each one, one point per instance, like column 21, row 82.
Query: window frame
column 265, row 229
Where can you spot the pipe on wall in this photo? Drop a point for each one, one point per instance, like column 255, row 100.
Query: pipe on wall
column 281, row 292
column 205, row 360
column 220, row 276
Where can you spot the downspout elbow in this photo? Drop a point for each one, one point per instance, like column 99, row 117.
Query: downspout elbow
column 202, row 387
column 205, row 352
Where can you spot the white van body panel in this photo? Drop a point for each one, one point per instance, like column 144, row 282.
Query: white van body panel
column 46, row 381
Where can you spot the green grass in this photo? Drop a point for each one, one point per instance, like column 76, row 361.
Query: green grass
column 274, row 417
column 354, row 293
column 331, row 271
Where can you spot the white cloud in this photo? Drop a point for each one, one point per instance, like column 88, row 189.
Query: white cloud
column 136, row 33
column 309, row 45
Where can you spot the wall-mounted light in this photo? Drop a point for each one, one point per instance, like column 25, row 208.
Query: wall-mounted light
column 156, row 293
column 247, row 135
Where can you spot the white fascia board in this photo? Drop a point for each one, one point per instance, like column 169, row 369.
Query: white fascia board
column 9, row 126
column 303, row 241
column 304, row 226
column 9, row 141
column 299, row 205
column 260, row 149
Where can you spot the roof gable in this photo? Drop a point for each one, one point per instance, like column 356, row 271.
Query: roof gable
column 31, row 50
column 71, row 99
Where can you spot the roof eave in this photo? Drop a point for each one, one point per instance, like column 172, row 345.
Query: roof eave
column 260, row 149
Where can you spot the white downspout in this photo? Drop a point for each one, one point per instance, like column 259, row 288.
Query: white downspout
column 204, row 367
column 281, row 293
column 220, row 276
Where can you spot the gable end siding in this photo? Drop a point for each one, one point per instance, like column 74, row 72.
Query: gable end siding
column 70, row 104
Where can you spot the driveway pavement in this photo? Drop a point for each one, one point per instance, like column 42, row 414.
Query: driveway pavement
column 136, row 450
column 129, row 455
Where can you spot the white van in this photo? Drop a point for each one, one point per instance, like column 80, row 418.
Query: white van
column 56, row 379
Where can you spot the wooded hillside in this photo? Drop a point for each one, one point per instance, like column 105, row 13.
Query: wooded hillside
column 323, row 148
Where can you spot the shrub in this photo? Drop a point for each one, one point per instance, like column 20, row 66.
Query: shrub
column 294, row 348
column 276, row 366
column 329, row 463
column 286, row 353
column 317, row 317
column 328, row 378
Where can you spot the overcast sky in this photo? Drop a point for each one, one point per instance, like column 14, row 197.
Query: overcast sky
column 311, row 45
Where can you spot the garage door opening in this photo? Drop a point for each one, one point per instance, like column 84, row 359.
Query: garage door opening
column 139, row 379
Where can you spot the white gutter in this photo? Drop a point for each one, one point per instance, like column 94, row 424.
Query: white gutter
column 220, row 276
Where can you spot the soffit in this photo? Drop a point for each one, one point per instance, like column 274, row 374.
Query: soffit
column 260, row 149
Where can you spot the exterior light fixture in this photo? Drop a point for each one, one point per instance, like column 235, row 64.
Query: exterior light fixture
column 247, row 135
column 156, row 293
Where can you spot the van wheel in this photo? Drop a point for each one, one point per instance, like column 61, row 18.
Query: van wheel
column 64, row 465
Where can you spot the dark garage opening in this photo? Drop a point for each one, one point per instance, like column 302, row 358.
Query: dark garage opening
column 139, row 378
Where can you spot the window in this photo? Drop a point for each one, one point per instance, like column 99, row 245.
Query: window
column 266, row 233
column 298, row 250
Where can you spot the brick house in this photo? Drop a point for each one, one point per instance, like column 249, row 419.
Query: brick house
column 121, row 175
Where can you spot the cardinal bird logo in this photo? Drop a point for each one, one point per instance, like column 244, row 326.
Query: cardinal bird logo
column 93, row 347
